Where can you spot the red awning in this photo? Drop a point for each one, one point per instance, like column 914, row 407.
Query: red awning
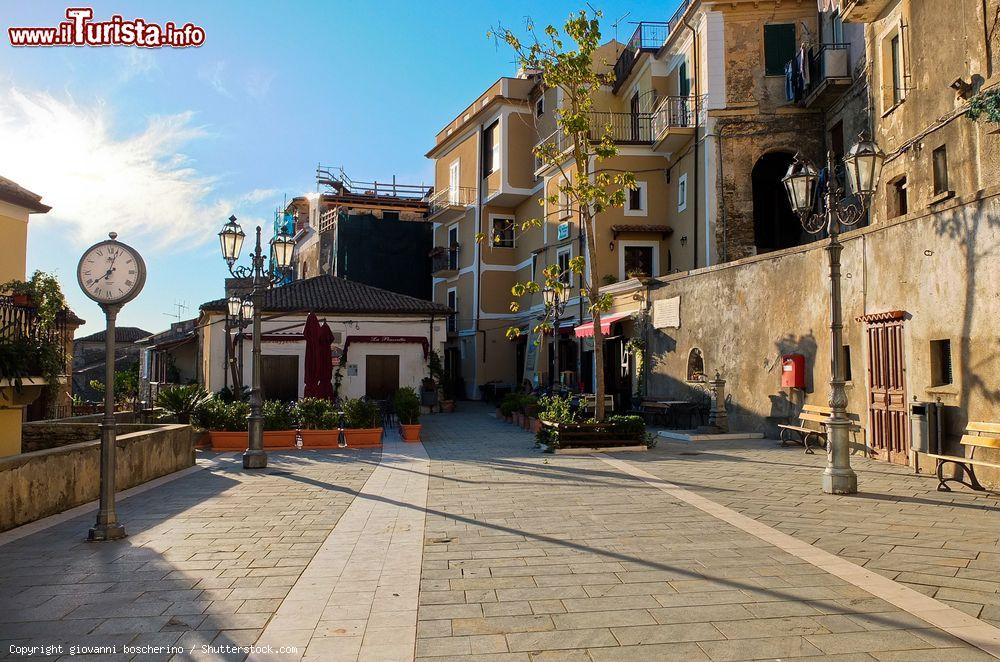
column 586, row 330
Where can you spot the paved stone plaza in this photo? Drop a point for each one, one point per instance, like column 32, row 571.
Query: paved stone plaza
column 475, row 545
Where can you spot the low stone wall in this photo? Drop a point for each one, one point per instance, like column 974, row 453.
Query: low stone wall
column 46, row 482
column 43, row 435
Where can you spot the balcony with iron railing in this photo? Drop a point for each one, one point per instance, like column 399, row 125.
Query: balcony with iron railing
column 452, row 198
column 829, row 75
column 674, row 119
column 27, row 344
column 622, row 128
column 647, row 38
column 444, row 261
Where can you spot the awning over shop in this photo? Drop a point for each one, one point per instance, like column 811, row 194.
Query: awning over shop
column 586, row 330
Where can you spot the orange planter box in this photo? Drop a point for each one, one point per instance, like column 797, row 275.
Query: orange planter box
column 319, row 438
column 410, row 432
column 238, row 441
column 363, row 437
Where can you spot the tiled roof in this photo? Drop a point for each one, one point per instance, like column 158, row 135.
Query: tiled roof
column 124, row 334
column 330, row 294
column 15, row 194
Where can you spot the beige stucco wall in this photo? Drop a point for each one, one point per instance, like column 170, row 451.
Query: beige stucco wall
column 745, row 315
column 13, row 249
column 51, row 481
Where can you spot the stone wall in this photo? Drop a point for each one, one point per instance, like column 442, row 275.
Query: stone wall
column 46, row 482
column 42, row 435
column 940, row 268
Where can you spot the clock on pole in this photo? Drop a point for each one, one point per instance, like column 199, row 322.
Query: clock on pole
column 112, row 274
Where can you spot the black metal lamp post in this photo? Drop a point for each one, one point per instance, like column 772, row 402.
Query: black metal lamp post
column 239, row 317
column 282, row 245
column 863, row 165
column 555, row 305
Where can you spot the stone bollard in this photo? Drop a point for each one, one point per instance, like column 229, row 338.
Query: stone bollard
column 718, row 420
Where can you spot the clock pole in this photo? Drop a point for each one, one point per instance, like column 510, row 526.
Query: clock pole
column 108, row 527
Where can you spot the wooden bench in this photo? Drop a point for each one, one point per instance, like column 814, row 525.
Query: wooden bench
column 588, row 402
column 667, row 412
column 977, row 435
column 812, row 425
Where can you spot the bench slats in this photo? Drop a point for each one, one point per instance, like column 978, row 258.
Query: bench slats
column 826, row 411
column 815, row 418
column 993, row 428
column 981, row 442
column 955, row 458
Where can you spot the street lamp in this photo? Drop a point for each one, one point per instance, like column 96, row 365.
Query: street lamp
column 863, row 165
column 239, row 317
column 281, row 248
column 555, row 305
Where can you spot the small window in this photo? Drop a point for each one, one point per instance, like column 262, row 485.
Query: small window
column 779, row 47
column 390, row 216
column 491, row 148
column 635, row 200
column 940, row 161
column 845, row 359
column 453, row 304
column 898, row 204
column 638, row 260
column 503, row 233
column 896, row 61
column 562, row 260
column 682, row 192
column 696, row 366
column 540, row 106
column 941, row 367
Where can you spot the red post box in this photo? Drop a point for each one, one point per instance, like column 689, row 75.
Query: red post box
column 793, row 371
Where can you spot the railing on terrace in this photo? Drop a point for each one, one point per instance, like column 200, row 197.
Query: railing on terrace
column 827, row 61
column 337, row 179
column 20, row 324
column 648, row 36
column 627, row 128
column 673, row 112
column 444, row 258
column 676, row 17
column 460, row 196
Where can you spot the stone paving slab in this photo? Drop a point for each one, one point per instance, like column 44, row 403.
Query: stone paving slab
column 208, row 559
column 620, row 570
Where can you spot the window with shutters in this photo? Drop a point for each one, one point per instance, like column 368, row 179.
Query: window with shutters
column 779, row 47
column 941, row 368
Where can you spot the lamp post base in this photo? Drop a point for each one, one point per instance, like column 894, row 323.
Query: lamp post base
column 104, row 532
column 254, row 459
column 840, row 481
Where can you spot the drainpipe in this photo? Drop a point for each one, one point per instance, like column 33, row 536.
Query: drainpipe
column 697, row 126
column 477, row 295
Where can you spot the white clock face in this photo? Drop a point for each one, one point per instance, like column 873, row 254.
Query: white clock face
column 111, row 272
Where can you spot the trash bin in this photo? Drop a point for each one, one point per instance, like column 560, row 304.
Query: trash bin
column 923, row 427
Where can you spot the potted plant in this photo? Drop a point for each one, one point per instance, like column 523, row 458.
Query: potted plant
column 279, row 424
column 510, row 404
column 363, row 423
column 181, row 402
column 408, row 410
column 529, row 405
column 226, row 423
column 317, row 423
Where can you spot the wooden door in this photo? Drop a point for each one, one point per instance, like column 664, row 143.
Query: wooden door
column 279, row 377
column 381, row 376
column 887, row 416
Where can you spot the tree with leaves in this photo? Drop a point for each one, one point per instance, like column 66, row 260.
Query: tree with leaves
column 567, row 60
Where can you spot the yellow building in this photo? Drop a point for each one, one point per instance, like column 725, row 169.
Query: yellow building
column 680, row 92
column 18, row 318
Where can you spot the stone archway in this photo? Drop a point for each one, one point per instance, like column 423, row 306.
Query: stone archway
column 775, row 225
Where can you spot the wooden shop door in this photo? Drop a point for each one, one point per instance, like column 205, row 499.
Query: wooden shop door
column 887, row 417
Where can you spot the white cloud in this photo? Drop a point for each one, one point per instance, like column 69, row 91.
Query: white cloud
column 139, row 185
column 257, row 83
column 215, row 74
column 136, row 62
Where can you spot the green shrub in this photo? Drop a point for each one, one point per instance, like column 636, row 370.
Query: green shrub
column 510, row 403
column 182, row 402
column 407, row 405
column 556, row 409
column 278, row 415
column 217, row 415
column 361, row 414
column 315, row 414
column 227, row 394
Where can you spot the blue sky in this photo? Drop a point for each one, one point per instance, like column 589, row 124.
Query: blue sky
column 161, row 145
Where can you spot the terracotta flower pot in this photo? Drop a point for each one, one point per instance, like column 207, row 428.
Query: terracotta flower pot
column 363, row 437
column 410, row 432
column 319, row 438
column 279, row 439
column 535, row 425
column 228, row 441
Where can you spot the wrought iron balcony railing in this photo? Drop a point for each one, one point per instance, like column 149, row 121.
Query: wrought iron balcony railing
column 444, row 258
column 648, row 36
column 674, row 112
column 451, row 198
column 21, row 328
column 623, row 128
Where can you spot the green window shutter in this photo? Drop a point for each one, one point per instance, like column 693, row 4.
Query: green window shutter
column 685, row 82
column 779, row 47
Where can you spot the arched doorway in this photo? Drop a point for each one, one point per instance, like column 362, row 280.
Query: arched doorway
column 775, row 225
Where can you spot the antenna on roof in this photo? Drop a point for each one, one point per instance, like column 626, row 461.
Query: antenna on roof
column 181, row 306
column 616, row 23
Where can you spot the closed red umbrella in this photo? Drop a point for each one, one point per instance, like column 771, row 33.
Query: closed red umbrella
column 324, row 363
column 311, row 333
